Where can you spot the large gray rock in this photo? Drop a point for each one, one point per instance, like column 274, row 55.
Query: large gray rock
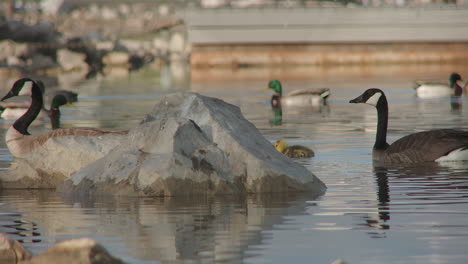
column 192, row 144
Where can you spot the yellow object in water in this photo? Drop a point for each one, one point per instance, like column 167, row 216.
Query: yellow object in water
column 295, row 151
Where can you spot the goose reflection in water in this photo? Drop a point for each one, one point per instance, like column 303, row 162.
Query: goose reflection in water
column 421, row 187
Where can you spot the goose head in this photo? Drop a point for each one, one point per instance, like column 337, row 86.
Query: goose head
column 22, row 86
column 371, row 96
column 276, row 86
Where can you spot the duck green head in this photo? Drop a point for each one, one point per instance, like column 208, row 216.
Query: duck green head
column 276, row 86
column 58, row 101
column 454, row 77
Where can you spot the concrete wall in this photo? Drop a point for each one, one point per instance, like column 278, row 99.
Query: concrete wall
column 326, row 36
column 327, row 25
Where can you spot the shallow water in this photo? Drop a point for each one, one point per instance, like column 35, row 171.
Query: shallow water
column 401, row 214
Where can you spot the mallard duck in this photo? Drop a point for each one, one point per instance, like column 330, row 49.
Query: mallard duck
column 19, row 141
column 433, row 145
column 295, row 151
column 425, row 89
column 54, row 111
column 298, row 97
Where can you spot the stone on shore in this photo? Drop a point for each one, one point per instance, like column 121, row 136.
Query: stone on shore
column 11, row 251
column 82, row 250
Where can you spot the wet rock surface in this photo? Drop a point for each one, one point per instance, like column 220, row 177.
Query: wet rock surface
column 189, row 145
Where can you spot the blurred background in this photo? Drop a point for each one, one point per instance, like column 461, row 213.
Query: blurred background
column 122, row 57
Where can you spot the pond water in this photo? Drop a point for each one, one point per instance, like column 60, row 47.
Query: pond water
column 401, row 214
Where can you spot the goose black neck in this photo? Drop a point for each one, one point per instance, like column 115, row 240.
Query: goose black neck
column 382, row 123
column 22, row 124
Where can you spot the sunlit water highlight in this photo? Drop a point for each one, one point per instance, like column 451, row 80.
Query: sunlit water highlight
column 399, row 214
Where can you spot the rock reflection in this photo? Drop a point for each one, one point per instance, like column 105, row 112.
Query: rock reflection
column 164, row 229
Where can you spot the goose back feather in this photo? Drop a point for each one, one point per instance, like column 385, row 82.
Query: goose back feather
column 425, row 146
column 20, row 145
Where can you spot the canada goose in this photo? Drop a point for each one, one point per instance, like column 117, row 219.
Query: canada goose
column 295, row 151
column 426, row 89
column 298, row 97
column 19, row 141
column 433, row 145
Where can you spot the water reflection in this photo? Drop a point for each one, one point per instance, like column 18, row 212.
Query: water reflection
column 418, row 213
column 456, row 104
column 164, row 229
column 415, row 185
column 277, row 116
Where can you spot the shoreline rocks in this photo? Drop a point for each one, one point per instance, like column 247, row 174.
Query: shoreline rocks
column 41, row 41
column 83, row 250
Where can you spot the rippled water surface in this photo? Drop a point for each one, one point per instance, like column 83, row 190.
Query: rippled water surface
column 400, row 214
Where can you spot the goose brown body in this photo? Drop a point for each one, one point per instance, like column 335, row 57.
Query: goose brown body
column 432, row 145
column 20, row 145
column 423, row 146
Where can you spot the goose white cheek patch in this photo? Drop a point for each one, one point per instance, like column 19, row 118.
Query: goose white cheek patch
column 26, row 90
column 374, row 99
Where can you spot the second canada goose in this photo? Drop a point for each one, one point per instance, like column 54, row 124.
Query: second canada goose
column 298, row 97
column 19, row 141
column 437, row 89
column 433, row 145
column 295, row 151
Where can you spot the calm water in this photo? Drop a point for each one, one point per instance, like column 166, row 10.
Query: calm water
column 404, row 214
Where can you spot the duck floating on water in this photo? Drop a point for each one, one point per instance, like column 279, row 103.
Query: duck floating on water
column 19, row 141
column 297, row 97
column 428, row 89
column 295, row 151
column 434, row 145
column 54, row 111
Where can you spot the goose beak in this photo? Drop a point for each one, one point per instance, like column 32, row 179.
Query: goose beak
column 8, row 95
column 357, row 100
